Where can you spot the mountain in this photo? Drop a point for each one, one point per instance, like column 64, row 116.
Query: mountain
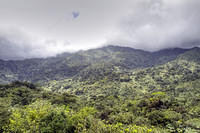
column 181, row 67
column 109, row 89
column 164, row 95
column 70, row 64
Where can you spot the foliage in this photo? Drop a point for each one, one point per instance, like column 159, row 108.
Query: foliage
column 4, row 113
column 39, row 116
column 106, row 90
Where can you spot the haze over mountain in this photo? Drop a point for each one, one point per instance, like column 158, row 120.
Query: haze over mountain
column 45, row 28
column 71, row 64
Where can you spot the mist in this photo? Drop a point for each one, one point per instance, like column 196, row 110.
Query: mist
column 159, row 24
column 37, row 29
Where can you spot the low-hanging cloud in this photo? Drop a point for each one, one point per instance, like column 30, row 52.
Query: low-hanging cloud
column 17, row 44
column 43, row 30
column 158, row 24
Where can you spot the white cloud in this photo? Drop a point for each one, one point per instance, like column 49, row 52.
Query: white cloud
column 157, row 24
column 17, row 44
column 45, row 28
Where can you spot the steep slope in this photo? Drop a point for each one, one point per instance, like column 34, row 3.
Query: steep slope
column 191, row 55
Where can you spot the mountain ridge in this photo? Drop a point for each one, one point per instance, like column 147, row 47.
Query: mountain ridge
column 64, row 54
column 69, row 64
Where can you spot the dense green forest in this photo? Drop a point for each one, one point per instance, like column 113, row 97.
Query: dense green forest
column 106, row 90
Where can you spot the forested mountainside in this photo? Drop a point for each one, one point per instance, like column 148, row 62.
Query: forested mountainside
column 106, row 90
column 70, row 64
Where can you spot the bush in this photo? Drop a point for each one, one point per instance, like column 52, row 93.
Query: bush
column 39, row 116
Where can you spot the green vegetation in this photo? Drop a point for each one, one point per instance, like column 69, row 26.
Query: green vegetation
column 68, row 65
column 107, row 90
column 46, row 114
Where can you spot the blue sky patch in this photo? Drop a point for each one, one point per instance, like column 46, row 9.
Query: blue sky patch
column 75, row 14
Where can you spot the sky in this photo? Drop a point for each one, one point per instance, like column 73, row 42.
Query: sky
column 43, row 28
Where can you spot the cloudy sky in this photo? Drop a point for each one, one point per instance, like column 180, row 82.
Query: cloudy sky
column 42, row 28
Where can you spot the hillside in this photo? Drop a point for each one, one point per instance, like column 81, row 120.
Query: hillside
column 108, row 79
column 166, row 95
column 105, row 90
column 68, row 65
